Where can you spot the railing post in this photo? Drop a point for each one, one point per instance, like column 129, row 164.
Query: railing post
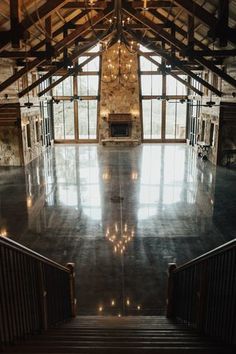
column 170, row 291
column 202, row 296
column 73, row 300
column 43, row 297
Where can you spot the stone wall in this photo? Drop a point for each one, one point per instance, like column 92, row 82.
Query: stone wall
column 14, row 147
column 10, row 146
column 211, row 115
column 119, row 98
column 31, row 135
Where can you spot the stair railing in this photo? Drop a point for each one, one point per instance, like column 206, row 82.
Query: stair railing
column 35, row 292
column 202, row 293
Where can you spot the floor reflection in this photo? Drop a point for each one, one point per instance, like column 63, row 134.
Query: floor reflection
column 121, row 215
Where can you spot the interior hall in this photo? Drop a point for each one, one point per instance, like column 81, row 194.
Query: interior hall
column 118, row 159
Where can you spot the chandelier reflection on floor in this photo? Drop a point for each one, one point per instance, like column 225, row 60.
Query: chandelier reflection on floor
column 120, row 238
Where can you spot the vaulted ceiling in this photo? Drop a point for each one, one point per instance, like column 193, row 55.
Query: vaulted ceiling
column 189, row 34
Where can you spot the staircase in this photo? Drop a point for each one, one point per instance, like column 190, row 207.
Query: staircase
column 101, row 335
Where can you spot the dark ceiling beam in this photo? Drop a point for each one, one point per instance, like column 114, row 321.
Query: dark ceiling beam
column 59, row 31
column 179, row 45
column 187, row 84
column 174, row 62
column 83, row 5
column 190, row 32
column 71, row 58
column 192, row 8
column 69, row 40
column 153, row 4
column 23, row 55
column 220, row 30
column 221, row 53
column 41, row 13
column 14, row 20
column 70, row 72
column 48, row 29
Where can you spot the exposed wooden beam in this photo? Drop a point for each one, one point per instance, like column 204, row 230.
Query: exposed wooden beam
column 41, row 13
column 61, row 28
column 175, row 62
column 211, row 53
column 69, row 40
column 179, row 45
column 192, row 8
column 190, row 33
column 48, row 29
column 153, row 4
column 15, row 19
column 53, row 71
column 68, row 73
column 83, row 5
column 187, row 84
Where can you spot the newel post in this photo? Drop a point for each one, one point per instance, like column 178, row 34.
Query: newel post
column 73, row 300
column 170, row 291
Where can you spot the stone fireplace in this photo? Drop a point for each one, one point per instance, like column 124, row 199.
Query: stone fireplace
column 120, row 118
column 120, row 125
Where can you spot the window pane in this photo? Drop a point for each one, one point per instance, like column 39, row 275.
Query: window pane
column 58, row 120
column 88, row 85
column 181, row 121
column 151, row 85
column 69, row 120
column 175, row 120
column 175, row 87
column 57, row 90
column 83, row 120
column 88, row 119
column 147, row 119
column 93, row 119
column 64, row 120
column 64, row 88
column 146, row 84
column 156, row 119
column 151, row 119
column 67, row 86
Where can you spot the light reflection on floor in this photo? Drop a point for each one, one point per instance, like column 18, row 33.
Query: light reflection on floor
column 121, row 214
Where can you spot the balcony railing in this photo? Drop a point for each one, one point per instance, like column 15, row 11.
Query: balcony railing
column 35, row 292
column 202, row 293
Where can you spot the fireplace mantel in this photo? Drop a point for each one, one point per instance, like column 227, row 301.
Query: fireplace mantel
column 120, row 118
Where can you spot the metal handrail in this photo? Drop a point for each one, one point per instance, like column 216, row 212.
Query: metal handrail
column 18, row 247
column 207, row 255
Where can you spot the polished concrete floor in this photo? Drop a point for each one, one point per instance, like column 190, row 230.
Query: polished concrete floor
column 121, row 214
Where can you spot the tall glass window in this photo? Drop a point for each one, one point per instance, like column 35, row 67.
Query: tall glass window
column 82, row 102
column 161, row 105
column 64, row 120
column 151, row 119
column 88, row 119
column 175, row 120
